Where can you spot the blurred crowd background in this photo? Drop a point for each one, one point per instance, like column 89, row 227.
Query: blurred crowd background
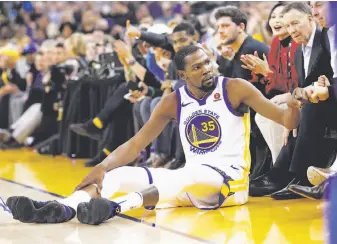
column 34, row 22
column 81, row 78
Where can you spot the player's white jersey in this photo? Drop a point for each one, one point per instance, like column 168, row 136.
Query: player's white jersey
column 211, row 131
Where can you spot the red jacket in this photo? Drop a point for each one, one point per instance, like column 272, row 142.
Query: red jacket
column 280, row 81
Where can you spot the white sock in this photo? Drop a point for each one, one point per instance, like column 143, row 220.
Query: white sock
column 76, row 198
column 130, row 201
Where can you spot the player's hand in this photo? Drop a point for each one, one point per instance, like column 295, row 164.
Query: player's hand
column 292, row 100
column 131, row 31
column 96, row 176
column 279, row 99
column 316, row 94
column 300, row 95
column 323, row 81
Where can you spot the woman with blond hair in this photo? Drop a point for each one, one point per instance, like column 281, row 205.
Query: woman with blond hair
column 76, row 47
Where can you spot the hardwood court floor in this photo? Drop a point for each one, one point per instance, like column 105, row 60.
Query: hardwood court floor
column 261, row 220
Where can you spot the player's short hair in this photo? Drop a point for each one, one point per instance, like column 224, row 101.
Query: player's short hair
column 179, row 58
column 233, row 12
column 302, row 7
column 184, row 26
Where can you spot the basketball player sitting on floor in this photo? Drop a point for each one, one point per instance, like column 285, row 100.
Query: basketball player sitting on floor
column 215, row 137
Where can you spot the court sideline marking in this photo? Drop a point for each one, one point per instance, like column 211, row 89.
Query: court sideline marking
column 119, row 215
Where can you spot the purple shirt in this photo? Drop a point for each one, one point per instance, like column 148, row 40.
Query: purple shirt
column 37, row 83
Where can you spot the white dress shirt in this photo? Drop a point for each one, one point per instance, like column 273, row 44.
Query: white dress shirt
column 333, row 49
column 307, row 51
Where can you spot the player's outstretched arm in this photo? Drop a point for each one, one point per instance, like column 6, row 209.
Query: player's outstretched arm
column 244, row 92
column 161, row 116
column 164, row 112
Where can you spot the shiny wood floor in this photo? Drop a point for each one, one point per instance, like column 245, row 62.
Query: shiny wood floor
column 262, row 220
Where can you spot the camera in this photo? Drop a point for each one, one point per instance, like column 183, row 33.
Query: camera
column 66, row 69
column 58, row 75
column 106, row 58
column 109, row 65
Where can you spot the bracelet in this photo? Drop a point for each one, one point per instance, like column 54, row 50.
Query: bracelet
column 131, row 62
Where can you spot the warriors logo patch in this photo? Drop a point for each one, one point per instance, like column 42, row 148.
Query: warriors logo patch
column 203, row 131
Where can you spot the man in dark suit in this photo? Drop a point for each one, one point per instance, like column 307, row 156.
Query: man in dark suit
column 328, row 186
column 322, row 93
column 324, row 18
column 312, row 59
column 317, row 94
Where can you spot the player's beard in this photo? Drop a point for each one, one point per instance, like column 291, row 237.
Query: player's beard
column 207, row 88
column 232, row 40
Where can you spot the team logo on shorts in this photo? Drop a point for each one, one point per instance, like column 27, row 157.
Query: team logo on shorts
column 203, row 131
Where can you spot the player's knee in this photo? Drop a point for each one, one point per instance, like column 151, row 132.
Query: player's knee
column 111, row 183
column 117, row 178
